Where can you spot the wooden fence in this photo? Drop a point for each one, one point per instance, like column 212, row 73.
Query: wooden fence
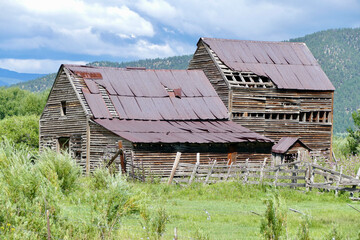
column 295, row 174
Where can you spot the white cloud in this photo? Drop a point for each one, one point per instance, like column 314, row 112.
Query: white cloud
column 68, row 23
column 34, row 65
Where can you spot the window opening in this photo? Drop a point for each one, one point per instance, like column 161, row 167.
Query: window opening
column 63, row 144
column 63, row 108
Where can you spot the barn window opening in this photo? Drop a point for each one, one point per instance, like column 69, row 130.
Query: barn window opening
column 63, row 144
column 77, row 154
column 267, row 116
column 63, row 108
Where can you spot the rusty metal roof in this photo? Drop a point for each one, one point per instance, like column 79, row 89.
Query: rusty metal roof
column 151, row 94
column 139, row 131
column 168, row 106
column 285, row 144
column 290, row 65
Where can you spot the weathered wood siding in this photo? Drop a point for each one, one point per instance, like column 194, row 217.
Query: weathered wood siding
column 73, row 124
column 272, row 112
column 104, row 145
column 203, row 60
column 159, row 159
column 277, row 113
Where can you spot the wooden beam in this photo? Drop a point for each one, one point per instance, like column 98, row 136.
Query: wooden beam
column 176, row 163
column 87, row 147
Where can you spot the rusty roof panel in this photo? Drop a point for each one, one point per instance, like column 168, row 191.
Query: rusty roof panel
column 286, row 143
column 118, row 107
column 97, row 105
column 180, row 131
column 92, row 86
column 296, row 66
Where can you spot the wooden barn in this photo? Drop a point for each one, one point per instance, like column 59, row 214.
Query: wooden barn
column 276, row 89
column 152, row 113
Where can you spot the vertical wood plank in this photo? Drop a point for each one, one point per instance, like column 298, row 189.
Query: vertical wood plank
column 87, row 147
column 176, row 163
column 209, row 173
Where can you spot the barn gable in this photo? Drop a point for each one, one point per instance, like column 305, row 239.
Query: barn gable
column 152, row 113
column 276, row 89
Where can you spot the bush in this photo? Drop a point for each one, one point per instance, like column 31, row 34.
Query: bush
column 273, row 224
column 59, row 169
column 21, row 130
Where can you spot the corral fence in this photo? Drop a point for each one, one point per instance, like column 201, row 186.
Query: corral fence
column 297, row 174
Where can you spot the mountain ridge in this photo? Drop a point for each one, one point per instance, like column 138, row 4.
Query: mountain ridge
column 336, row 50
column 8, row 77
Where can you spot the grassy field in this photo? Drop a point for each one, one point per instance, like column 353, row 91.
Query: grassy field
column 224, row 211
column 103, row 206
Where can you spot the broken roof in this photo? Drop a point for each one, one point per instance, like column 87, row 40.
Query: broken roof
column 285, row 144
column 181, row 131
column 290, row 65
column 150, row 106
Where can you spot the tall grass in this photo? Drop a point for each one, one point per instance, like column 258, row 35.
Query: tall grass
column 80, row 207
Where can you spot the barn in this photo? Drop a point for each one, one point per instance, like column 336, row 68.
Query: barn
column 150, row 114
column 276, row 89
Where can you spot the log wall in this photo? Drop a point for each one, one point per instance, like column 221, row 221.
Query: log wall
column 73, row 125
column 203, row 60
column 272, row 112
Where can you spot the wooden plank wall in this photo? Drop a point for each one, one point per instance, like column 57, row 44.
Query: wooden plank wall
column 160, row 163
column 104, row 145
column 250, row 106
column 202, row 60
column 73, row 125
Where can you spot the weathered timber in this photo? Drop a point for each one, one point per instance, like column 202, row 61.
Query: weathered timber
column 256, row 103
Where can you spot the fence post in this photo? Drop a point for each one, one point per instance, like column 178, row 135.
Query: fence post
column 294, row 174
column 209, row 173
column 193, row 174
column 358, row 174
column 338, row 181
column 175, row 234
column 228, row 173
column 276, row 176
column 246, row 171
column 262, row 170
column 176, row 163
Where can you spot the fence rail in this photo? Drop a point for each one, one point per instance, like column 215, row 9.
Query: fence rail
column 296, row 174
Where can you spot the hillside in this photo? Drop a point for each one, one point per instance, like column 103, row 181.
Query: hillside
column 177, row 62
column 8, row 77
column 336, row 50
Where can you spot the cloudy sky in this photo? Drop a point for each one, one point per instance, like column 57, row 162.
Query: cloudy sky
column 38, row 35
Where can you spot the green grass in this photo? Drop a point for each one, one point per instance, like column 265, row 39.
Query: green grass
column 109, row 207
column 230, row 206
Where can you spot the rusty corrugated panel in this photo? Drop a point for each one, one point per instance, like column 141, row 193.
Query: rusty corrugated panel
column 296, row 66
column 285, row 144
column 92, row 86
column 90, row 75
column 138, row 131
column 96, row 104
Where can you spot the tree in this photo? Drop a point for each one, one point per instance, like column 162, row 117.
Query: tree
column 353, row 139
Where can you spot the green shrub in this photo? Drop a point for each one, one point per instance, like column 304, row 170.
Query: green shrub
column 59, row 169
column 21, row 130
column 303, row 232
column 273, row 225
column 154, row 223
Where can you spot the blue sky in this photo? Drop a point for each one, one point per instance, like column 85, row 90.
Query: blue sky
column 38, row 35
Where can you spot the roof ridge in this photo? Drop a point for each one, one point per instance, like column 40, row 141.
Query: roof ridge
column 254, row 41
column 129, row 69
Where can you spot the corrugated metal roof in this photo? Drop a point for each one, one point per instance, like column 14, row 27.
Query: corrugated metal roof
column 289, row 65
column 143, row 95
column 149, row 114
column 139, row 131
column 285, row 144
